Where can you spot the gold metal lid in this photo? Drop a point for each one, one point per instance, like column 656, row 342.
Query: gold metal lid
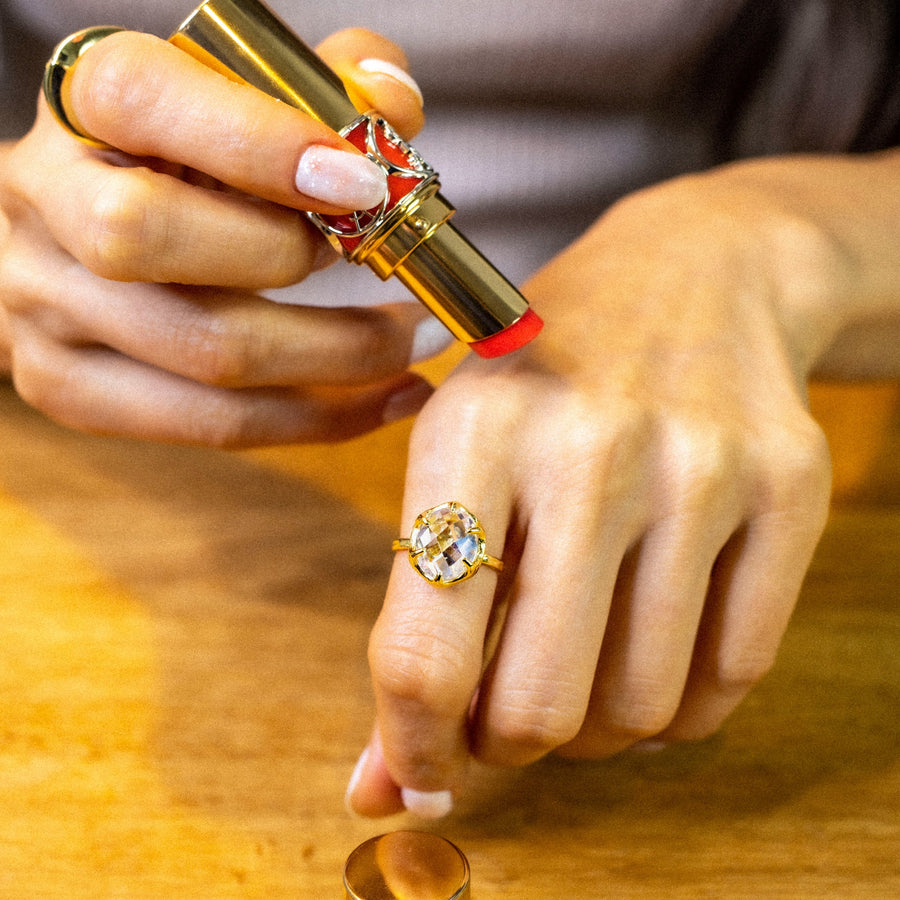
column 407, row 865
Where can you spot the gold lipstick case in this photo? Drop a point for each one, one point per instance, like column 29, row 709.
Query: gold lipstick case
column 410, row 235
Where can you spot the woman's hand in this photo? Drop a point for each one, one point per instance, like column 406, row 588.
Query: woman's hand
column 129, row 277
column 649, row 473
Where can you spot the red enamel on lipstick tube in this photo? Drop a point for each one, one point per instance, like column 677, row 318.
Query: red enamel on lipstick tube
column 409, row 236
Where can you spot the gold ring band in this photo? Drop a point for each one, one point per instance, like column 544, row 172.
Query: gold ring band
column 447, row 545
column 61, row 63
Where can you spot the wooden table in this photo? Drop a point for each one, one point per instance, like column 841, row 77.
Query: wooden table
column 183, row 694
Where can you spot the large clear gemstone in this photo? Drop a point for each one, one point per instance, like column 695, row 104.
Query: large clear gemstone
column 446, row 543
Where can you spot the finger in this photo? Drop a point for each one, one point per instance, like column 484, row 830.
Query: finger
column 241, row 341
column 371, row 791
column 535, row 693
column 137, row 224
column 661, row 591
column 375, row 72
column 149, row 99
column 649, row 640
column 97, row 390
column 219, row 338
column 426, row 650
column 754, row 590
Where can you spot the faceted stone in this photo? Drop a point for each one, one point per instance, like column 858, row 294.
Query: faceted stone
column 446, row 544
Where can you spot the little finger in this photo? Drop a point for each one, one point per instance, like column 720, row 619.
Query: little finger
column 754, row 590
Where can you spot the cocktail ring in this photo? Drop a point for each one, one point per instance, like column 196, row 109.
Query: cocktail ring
column 56, row 88
column 447, row 545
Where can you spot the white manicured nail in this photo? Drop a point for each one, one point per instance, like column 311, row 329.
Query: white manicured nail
column 430, row 338
column 344, row 179
column 383, row 67
column 427, row 804
column 354, row 779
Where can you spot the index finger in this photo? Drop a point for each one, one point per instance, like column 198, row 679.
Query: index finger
column 146, row 97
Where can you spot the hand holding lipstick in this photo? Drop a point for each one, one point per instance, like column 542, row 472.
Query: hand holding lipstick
column 130, row 276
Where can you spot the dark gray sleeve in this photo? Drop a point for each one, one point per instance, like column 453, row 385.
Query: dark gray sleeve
column 804, row 76
column 22, row 59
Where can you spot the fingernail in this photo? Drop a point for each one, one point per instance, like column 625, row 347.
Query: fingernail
column 406, row 402
column 430, row 338
column 383, row 67
column 343, row 179
column 354, row 780
column 649, row 747
column 427, row 804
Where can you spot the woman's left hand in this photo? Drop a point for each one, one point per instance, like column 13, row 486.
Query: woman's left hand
column 653, row 480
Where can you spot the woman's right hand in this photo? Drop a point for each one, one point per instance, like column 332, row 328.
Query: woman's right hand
column 129, row 278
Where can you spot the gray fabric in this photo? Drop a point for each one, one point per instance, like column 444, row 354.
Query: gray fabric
column 540, row 114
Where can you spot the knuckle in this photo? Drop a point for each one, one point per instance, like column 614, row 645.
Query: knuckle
column 368, row 345
column 800, row 477
column 214, row 347
column 290, row 254
column 225, row 426
column 219, row 357
column 704, row 467
column 118, row 232
column 423, row 669
column 45, row 386
column 27, row 383
column 536, row 727
column 20, row 281
column 117, row 86
column 641, row 714
column 600, row 458
column 472, row 416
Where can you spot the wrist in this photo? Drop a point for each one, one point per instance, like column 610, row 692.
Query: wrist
column 806, row 266
column 719, row 241
column 827, row 224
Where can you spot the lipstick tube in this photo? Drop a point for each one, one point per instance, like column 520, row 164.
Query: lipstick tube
column 409, row 236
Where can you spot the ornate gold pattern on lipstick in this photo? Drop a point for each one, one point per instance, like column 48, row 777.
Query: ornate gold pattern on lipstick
column 410, row 181
column 410, row 235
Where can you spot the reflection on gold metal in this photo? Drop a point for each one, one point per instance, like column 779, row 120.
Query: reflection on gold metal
column 410, row 237
column 407, row 865
column 58, row 81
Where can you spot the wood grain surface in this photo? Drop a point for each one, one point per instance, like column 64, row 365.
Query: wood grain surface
column 183, row 695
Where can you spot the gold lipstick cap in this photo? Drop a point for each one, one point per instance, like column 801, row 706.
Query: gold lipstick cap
column 411, row 237
column 407, row 865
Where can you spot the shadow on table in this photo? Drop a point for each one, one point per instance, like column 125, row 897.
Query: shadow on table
column 261, row 590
